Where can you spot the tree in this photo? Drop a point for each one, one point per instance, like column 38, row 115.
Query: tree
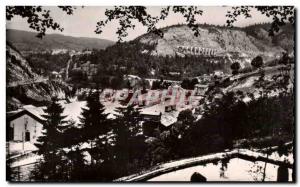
column 116, row 82
column 39, row 19
column 78, row 76
column 285, row 59
column 257, row 62
column 129, row 143
column 50, row 143
column 179, row 133
column 95, row 125
column 235, row 68
column 186, row 117
column 126, row 15
column 186, row 84
column 279, row 14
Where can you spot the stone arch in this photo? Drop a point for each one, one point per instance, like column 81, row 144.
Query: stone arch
column 201, row 51
column 198, row 50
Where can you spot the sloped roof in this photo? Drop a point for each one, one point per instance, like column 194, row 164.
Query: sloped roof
column 21, row 113
column 37, row 111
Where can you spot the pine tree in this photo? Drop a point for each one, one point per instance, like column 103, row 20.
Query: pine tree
column 75, row 156
column 51, row 167
column 129, row 141
column 95, row 125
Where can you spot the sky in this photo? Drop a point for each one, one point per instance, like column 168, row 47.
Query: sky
column 83, row 21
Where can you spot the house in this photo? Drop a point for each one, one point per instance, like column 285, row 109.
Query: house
column 24, row 125
column 152, row 113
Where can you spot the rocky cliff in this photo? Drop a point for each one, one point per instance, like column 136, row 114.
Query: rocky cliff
column 252, row 40
column 24, row 86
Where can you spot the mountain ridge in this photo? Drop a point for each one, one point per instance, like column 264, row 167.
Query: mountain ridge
column 26, row 41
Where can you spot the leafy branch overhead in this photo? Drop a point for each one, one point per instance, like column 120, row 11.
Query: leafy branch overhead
column 39, row 18
column 280, row 15
column 127, row 15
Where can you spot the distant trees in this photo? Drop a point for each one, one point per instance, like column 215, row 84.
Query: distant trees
column 45, row 63
column 189, row 84
column 117, row 82
column 160, row 84
column 285, row 59
column 78, row 76
column 257, row 62
column 235, row 68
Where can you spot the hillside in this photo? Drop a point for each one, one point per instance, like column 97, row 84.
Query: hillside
column 17, row 67
column 248, row 41
column 27, row 41
column 24, row 86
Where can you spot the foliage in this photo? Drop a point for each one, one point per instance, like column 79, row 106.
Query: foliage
column 257, row 62
column 45, row 63
column 126, row 15
column 189, row 84
column 127, row 59
column 235, row 68
column 38, row 18
column 50, row 143
column 129, row 143
column 279, row 14
column 94, row 125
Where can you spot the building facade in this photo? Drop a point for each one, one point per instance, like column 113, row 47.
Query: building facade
column 23, row 126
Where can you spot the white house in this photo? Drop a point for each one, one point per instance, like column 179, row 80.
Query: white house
column 24, row 125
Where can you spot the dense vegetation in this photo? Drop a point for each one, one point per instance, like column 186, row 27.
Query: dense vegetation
column 118, row 148
column 136, row 59
column 45, row 63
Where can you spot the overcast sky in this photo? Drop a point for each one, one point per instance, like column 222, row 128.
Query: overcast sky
column 83, row 22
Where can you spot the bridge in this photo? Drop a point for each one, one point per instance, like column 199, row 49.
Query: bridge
column 197, row 50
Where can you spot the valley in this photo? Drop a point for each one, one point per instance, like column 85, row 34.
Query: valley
column 182, row 101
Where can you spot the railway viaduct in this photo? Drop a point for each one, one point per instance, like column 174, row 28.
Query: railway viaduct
column 197, row 50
